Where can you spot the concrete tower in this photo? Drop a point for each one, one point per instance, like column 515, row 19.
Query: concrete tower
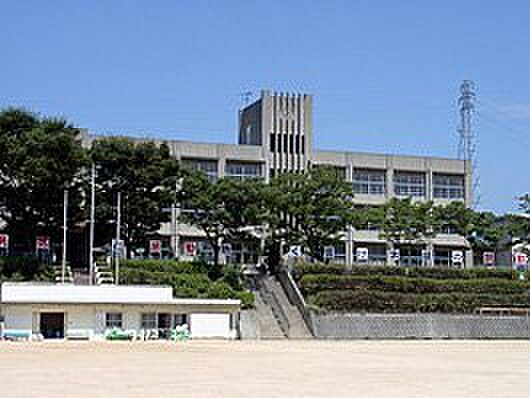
column 281, row 123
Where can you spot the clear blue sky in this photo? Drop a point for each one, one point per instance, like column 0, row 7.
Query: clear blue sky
column 385, row 74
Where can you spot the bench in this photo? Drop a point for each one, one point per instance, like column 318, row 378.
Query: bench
column 79, row 334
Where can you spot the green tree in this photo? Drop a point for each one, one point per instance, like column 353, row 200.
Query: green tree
column 223, row 209
column 146, row 175
column 311, row 210
column 41, row 157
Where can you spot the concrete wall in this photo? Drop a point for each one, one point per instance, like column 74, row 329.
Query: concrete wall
column 248, row 325
column 419, row 326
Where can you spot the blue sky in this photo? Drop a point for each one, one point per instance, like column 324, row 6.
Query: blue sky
column 385, row 74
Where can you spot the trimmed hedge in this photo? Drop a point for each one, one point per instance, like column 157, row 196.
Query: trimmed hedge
column 313, row 284
column 414, row 272
column 391, row 302
column 165, row 266
column 24, row 268
column 188, row 280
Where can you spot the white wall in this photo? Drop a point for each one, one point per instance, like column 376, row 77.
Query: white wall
column 210, row 325
column 92, row 317
column 18, row 318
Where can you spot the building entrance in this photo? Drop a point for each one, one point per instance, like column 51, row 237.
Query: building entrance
column 52, row 325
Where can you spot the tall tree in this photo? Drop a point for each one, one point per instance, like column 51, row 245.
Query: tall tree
column 406, row 221
column 223, row 209
column 311, row 210
column 41, row 157
column 146, row 176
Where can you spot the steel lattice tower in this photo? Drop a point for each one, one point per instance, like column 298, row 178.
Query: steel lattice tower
column 467, row 147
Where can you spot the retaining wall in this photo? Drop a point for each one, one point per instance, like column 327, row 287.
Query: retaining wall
column 419, row 326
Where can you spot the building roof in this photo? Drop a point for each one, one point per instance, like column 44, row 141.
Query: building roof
column 41, row 293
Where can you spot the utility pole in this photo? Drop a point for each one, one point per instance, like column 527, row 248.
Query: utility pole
column 118, row 245
column 467, row 145
column 92, row 221
column 65, row 216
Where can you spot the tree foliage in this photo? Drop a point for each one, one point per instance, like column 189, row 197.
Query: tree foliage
column 41, row 157
column 311, row 210
column 146, row 175
column 223, row 209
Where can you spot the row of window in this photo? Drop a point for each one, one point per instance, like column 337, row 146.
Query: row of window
column 365, row 181
column 149, row 320
column 373, row 182
column 233, row 169
column 375, row 254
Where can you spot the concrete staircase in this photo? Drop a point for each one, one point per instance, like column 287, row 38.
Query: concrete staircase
column 267, row 325
column 58, row 274
column 103, row 274
column 296, row 326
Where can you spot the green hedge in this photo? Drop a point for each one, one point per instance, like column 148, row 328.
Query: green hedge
column 24, row 268
column 313, row 284
column 172, row 266
column 188, row 280
column 391, row 302
column 424, row 272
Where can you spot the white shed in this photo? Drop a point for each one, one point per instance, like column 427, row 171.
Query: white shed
column 75, row 311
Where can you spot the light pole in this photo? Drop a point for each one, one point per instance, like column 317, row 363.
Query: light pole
column 118, row 245
column 92, row 220
column 65, row 219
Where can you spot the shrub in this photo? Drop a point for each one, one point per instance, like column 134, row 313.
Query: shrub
column 26, row 267
column 312, row 284
column 154, row 265
column 221, row 290
column 376, row 301
column 247, row 300
column 417, row 272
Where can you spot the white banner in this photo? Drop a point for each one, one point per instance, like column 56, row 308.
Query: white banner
column 362, row 254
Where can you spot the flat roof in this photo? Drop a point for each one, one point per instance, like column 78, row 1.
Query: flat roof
column 46, row 293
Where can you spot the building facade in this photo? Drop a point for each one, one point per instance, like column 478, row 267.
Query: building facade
column 276, row 135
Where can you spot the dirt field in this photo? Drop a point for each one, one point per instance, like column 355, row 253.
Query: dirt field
column 267, row 369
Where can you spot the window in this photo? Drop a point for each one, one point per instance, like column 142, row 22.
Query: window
column 243, row 253
column 448, row 186
column 335, row 254
column 272, row 142
column 114, row 320
column 376, row 254
column 369, row 182
column 208, row 167
column 243, row 170
column 148, row 320
column 409, row 184
column 180, row 319
column 410, row 256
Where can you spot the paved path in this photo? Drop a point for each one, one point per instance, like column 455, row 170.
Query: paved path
column 270, row 369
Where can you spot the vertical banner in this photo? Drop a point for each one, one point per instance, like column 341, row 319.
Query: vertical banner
column 42, row 243
column 362, row 254
column 4, row 244
column 488, row 258
column 155, row 247
column 457, row 258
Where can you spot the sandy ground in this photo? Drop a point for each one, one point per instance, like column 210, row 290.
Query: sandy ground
column 266, row 369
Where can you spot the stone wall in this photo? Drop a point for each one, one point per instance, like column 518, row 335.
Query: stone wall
column 419, row 326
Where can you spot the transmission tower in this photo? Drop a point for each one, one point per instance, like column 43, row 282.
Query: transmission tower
column 467, row 147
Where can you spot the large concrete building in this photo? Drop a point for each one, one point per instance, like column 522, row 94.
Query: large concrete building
column 276, row 135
